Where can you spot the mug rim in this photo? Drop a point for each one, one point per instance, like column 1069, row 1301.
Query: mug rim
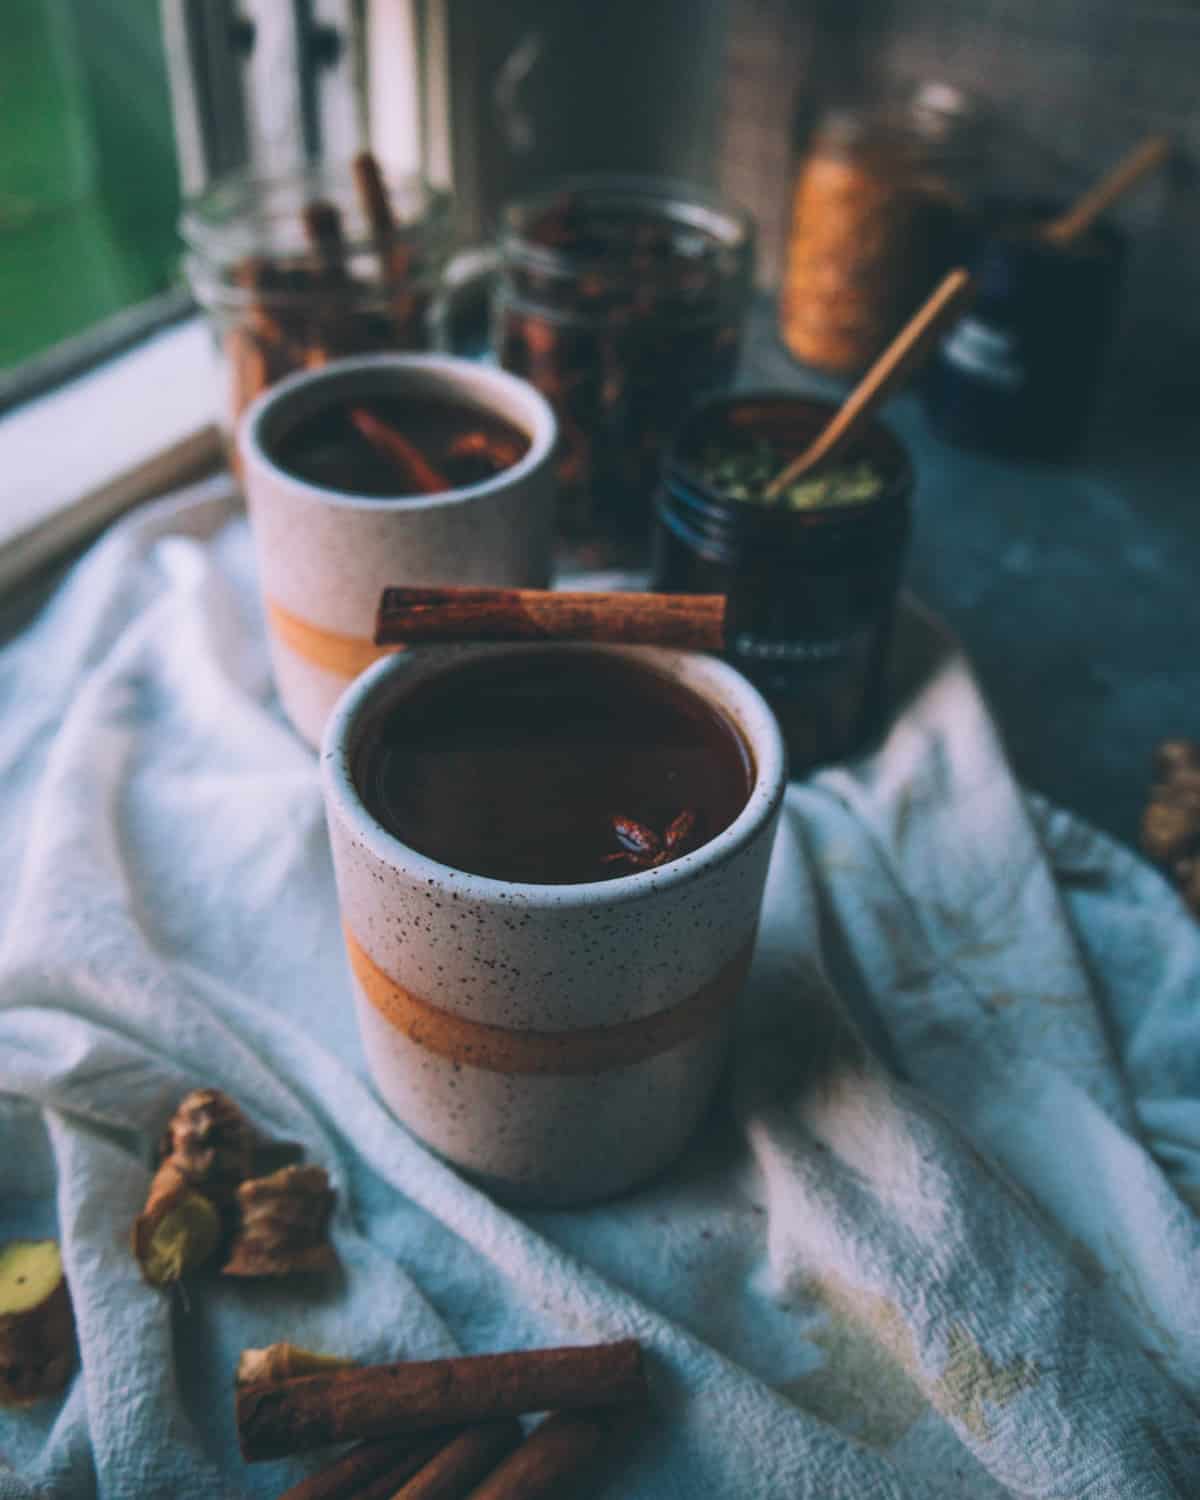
column 762, row 733
column 447, row 371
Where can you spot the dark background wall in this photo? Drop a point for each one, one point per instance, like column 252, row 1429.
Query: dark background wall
column 1069, row 85
column 724, row 92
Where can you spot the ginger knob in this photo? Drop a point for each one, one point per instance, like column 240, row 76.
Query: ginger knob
column 211, row 1142
column 1174, row 758
column 37, row 1325
column 178, row 1230
column 284, row 1224
column 1171, row 820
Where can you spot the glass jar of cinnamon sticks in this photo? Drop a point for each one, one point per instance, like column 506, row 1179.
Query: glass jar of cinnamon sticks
column 326, row 261
column 621, row 299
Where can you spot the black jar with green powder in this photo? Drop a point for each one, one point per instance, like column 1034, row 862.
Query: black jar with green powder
column 811, row 578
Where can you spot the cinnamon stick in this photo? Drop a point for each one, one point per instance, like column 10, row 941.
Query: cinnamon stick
column 387, row 1400
column 453, row 1473
column 372, row 193
column 694, row 622
column 549, row 1459
column 323, row 227
column 399, row 451
column 377, row 207
column 372, row 1471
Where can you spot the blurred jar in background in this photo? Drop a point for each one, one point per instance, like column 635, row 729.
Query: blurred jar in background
column 1019, row 374
column 883, row 206
column 622, row 299
column 300, row 269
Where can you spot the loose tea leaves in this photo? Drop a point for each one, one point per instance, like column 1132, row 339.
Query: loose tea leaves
column 744, row 472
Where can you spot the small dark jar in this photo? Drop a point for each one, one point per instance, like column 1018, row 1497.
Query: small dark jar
column 1019, row 373
column 811, row 592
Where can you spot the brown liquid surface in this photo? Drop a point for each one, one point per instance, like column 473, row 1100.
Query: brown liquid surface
column 515, row 767
column 464, row 444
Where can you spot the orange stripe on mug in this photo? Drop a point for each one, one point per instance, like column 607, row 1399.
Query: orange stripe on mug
column 589, row 1049
column 347, row 655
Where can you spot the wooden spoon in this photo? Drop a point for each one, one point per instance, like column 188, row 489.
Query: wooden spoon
column 1084, row 212
column 901, row 356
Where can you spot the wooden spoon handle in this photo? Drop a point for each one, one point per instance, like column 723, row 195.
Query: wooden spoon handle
column 905, row 351
column 1084, row 212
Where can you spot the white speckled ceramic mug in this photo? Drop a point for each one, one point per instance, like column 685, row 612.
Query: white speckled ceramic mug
column 324, row 555
column 557, row 1042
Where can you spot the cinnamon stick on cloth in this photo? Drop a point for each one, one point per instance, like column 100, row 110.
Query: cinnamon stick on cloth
column 453, row 1473
column 388, row 1400
column 554, row 1453
column 410, row 616
column 372, row 1471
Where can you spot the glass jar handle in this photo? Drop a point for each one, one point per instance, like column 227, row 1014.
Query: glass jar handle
column 459, row 326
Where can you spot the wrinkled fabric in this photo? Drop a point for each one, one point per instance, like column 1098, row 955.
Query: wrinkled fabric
column 937, row 1238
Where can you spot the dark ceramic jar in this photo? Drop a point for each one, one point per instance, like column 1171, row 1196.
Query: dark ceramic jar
column 811, row 593
column 1018, row 375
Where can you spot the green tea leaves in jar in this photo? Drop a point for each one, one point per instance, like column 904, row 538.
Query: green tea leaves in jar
column 743, row 473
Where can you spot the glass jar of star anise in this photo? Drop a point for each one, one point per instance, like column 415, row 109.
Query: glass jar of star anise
column 621, row 299
column 321, row 262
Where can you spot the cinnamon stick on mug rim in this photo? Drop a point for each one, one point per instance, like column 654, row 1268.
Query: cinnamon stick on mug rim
column 389, row 1400
column 412, row 616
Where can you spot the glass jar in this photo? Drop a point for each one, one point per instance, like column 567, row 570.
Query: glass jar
column 811, row 592
column 621, row 299
column 881, row 210
column 290, row 283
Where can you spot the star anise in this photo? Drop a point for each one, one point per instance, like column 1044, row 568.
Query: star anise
column 644, row 849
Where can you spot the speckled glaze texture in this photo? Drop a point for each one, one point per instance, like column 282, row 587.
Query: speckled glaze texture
column 566, row 967
column 325, row 556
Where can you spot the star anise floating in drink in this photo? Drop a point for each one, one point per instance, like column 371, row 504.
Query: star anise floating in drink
column 644, row 849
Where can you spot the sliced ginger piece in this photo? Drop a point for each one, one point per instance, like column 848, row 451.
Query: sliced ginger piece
column 37, row 1325
column 284, row 1362
column 178, row 1230
column 284, row 1227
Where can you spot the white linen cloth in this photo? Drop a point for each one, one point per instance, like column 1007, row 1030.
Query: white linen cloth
column 938, row 1238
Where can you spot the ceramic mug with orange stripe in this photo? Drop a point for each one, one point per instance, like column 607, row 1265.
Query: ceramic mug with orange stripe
column 325, row 555
column 559, row 1043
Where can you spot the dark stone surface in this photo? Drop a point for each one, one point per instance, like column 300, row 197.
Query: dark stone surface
column 1075, row 589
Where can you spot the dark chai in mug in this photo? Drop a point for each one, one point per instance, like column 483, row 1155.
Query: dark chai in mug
column 554, row 766
column 391, row 447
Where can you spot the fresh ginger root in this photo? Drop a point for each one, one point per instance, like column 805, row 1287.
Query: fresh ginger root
column 212, row 1143
column 178, row 1230
column 207, row 1150
column 284, row 1224
column 205, row 1194
column 37, row 1325
column 1171, row 821
column 284, row 1362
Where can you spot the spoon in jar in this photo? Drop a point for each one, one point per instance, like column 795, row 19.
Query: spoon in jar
column 1075, row 221
column 902, row 355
